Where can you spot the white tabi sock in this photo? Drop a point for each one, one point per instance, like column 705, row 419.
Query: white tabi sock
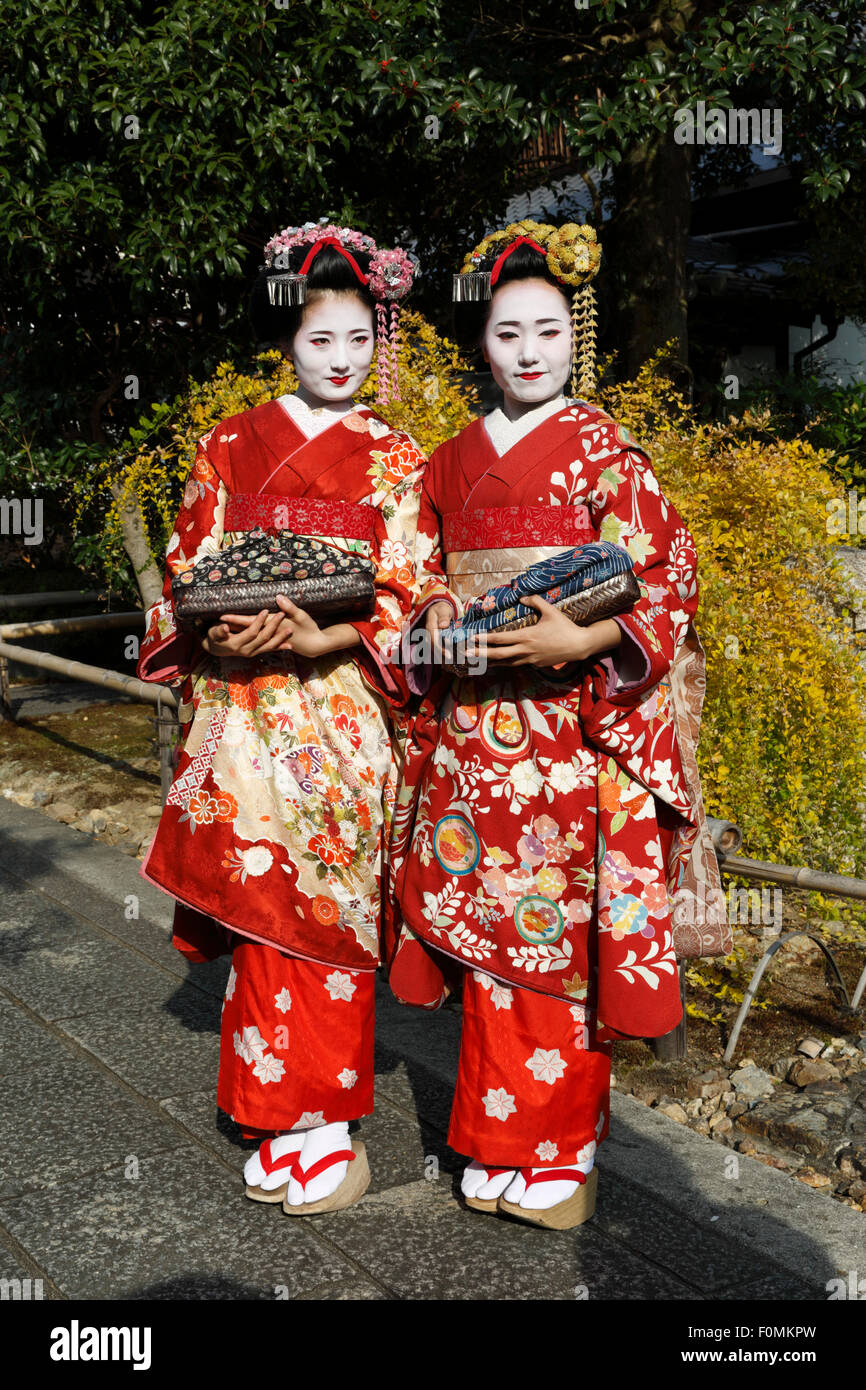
column 254, row 1172
column 318, row 1143
column 475, row 1182
column 543, row 1195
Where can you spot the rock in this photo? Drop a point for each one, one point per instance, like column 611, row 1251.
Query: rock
column 700, row 1086
column 154, row 812
column 772, row 1161
column 647, row 1095
column 720, row 1124
column 852, row 1161
column 845, row 1066
column 674, row 1111
column 819, row 1181
column 42, row 796
column 782, row 1066
column 63, row 811
column 803, row 949
column 810, row 1047
column 701, row 1127
column 752, row 1081
column 129, row 845
column 97, row 820
column 711, row 1104
column 856, row 1190
column 738, row 1108
column 693, row 1108
column 728, row 1097
column 807, row 1070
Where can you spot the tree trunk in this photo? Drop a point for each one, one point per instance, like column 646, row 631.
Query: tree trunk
column 132, row 527
column 646, row 240
column 135, row 543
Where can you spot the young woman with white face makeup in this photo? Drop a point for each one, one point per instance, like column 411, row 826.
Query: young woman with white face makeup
column 545, row 814
column 271, row 837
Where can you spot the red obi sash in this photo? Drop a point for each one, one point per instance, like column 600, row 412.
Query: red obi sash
column 306, row 516
column 494, row 528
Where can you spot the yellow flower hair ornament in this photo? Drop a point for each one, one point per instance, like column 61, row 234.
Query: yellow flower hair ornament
column 572, row 255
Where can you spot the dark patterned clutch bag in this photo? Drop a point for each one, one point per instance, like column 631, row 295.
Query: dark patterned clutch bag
column 588, row 583
column 245, row 578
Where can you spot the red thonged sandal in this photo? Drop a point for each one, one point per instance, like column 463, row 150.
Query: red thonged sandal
column 272, row 1165
column 486, row 1203
column 576, row 1209
column 351, row 1189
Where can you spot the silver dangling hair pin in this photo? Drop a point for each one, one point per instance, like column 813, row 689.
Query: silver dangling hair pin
column 471, row 287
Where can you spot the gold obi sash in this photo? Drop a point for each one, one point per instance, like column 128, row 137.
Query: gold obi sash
column 472, row 572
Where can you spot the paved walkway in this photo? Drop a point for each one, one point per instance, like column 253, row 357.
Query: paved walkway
column 120, row 1179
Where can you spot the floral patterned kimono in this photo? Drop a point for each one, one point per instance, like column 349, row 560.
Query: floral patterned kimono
column 274, row 824
column 549, row 817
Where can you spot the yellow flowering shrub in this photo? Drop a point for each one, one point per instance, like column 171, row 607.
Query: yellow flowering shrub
column 783, row 738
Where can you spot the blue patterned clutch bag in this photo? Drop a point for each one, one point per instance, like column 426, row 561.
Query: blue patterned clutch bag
column 588, row 583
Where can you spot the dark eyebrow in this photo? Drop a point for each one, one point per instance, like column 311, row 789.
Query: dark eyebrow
column 514, row 323
column 327, row 332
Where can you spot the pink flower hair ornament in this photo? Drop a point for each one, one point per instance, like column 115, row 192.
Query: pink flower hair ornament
column 389, row 279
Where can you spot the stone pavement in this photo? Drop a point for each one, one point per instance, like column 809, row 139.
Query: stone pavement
column 120, row 1179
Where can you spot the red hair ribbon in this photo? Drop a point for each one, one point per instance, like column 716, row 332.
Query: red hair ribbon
column 332, row 241
column 521, row 241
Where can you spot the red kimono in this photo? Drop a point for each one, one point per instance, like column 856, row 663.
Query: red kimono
column 549, row 817
column 283, row 794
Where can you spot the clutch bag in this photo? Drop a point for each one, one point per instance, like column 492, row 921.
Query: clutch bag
column 246, row 577
column 587, row 583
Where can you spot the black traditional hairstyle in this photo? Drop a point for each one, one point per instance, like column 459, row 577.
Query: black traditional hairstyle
column 524, row 263
column 274, row 323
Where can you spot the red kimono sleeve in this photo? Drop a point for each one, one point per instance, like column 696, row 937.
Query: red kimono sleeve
column 431, row 579
column 629, row 509
column 169, row 655
column 393, row 551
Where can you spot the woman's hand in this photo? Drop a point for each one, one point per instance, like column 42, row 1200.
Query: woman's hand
column 306, row 638
column 553, row 640
column 289, row 630
column 438, row 616
column 239, row 634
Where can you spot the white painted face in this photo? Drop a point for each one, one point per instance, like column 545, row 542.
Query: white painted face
column 527, row 341
column 333, row 348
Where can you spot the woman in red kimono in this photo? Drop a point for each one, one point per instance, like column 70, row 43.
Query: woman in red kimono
column 272, row 832
column 547, row 816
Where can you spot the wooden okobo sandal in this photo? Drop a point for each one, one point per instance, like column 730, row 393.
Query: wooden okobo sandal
column 486, row 1203
column 272, row 1165
column 576, row 1209
column 351, row 1189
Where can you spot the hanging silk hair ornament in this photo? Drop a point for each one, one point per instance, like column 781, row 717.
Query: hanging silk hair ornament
column 584, row 327
column 573, row 256
column 381, row 351
column 391, row 275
